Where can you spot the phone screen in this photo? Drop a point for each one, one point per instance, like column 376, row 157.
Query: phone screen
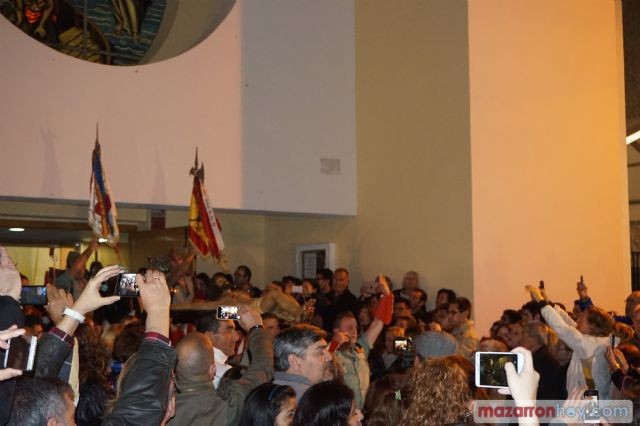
column 33, row 295
column 228, row 313
column 400, row 343
column 21, row 353
column 490, row 365
column 127, row 286
column 591, row 396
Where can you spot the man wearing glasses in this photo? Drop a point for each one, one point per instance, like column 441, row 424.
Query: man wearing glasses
column 462, row 326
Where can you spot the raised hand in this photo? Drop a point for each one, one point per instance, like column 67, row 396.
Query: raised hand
column 90, row 299
column 536, row 294
column 58, row 300
column 155, row 296
column 249, row 317
column 522, row 386
column 383, row 285
column 10, row 283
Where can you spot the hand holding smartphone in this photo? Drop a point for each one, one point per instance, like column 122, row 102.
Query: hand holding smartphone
column 21, row 353
column 591, row 396
column 123, row 285
column 227, row 313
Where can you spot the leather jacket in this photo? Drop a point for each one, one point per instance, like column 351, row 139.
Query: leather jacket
column 144, row 388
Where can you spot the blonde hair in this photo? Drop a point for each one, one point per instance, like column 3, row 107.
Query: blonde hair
column 439, row 394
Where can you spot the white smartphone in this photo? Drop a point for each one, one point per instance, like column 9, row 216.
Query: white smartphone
column 490, row 372
column 296, row 289
column 228, row 313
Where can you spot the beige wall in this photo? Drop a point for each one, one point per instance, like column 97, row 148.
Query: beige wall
column 414, row 188
column 412, row 112
column 548, row 153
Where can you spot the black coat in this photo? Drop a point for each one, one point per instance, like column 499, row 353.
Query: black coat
column 553, row 379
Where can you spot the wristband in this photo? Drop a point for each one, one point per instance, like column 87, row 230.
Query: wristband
column 73, row 314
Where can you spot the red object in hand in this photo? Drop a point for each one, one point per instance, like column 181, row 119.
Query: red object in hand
column 384, row 311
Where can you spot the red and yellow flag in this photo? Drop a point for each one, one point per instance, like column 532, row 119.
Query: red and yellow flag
column 205, row 232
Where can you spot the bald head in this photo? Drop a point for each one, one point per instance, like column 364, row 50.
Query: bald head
column 195, row 358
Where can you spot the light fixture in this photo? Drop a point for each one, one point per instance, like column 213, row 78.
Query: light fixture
column 16, row 229
column 102, row 240
column 633, row 137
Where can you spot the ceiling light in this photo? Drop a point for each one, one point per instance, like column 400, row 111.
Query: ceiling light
column 102, row 240
column 633, row 137
column 16, row 229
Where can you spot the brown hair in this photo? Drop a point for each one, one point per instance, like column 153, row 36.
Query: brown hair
column 601, row 322
column 386, row 400
column 440, row 393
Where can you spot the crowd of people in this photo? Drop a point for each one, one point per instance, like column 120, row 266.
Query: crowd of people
column 300, row 352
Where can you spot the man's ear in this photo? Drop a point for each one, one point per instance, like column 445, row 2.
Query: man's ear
column 212, row 370
column 209, row 335
column 294, row 362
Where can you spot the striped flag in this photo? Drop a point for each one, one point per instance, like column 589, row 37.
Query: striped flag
column 102, row 208
column 205, row 232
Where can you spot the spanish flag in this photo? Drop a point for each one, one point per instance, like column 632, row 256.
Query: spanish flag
column 102, row 209
column 205, row 232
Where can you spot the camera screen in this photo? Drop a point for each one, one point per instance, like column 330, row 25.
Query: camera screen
column 401, row 344
column 492, row 372
column 228, row 313
column 33, row 295
column 127, row 286
column 21, row 353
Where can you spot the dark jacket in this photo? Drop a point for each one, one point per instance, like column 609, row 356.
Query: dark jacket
column 552, row 384
column 10, row 314
column 300, row 384
column 145, row 386
column 198, row 403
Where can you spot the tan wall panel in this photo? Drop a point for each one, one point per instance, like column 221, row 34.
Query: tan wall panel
column 548, row 153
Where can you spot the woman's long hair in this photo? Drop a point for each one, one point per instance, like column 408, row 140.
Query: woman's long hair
column 325, row 404
column 263, row 404
column 440, row 393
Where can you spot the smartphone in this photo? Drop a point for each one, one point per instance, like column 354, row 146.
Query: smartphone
column 21, row 353
column 591, row 396
column 296, row 289
column 228, row 313
column 33, row 295
column 541, row 285
column 612, row 340
column 370, row 286
column 401, row 343
column 126, row 286
column 490, row 372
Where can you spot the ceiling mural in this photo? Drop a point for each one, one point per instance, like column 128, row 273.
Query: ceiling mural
column 114, row 32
